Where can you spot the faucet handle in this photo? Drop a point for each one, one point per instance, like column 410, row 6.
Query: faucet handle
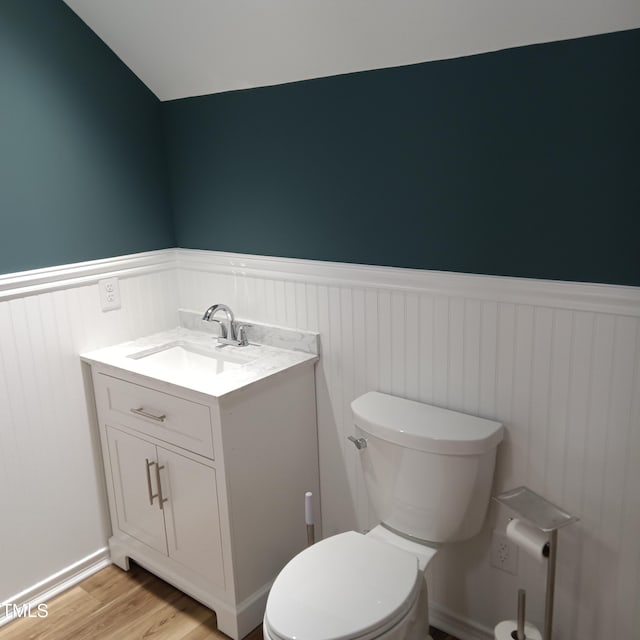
column 241, row 334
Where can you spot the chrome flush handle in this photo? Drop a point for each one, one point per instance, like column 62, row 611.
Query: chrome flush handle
column 360, row 443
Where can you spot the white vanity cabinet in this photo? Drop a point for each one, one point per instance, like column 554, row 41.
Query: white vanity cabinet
column 208, row 492
column 167, row 501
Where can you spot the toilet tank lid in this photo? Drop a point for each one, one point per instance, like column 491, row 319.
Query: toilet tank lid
column 424, row 427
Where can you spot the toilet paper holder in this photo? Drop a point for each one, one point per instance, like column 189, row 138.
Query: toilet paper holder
column 546, row 516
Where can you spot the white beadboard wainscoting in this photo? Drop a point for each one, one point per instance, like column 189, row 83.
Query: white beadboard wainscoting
column 54, row 522
column 558, row 363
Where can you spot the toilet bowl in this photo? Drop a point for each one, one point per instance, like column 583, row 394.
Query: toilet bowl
column 373, row 590
column 426, row 469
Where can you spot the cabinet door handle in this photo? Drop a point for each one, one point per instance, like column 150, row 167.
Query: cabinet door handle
column 146, row 414
column 149, row 489
column 161, row 499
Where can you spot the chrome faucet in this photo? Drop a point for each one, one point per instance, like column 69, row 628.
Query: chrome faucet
column 230, row 333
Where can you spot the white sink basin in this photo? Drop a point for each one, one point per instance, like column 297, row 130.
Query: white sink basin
column 194, row 360
column 181, row 358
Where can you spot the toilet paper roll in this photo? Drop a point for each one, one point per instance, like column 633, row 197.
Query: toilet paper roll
column 530, row 539
column 505, row 628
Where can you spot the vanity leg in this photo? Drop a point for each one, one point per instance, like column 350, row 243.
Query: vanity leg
column 118, row 555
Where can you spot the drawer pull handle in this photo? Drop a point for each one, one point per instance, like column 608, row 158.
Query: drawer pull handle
column 149, row 489
column 161, row 499
column 146, row 414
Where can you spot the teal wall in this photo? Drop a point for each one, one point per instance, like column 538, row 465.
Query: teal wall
column 524, row 162
column 83, row 170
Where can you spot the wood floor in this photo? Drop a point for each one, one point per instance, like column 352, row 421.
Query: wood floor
column 118, row 605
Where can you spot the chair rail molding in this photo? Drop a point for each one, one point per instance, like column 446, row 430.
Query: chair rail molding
column 578, row 296
column 25, row 283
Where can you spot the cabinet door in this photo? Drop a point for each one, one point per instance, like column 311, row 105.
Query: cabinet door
column 133, row 469
column 191, row 515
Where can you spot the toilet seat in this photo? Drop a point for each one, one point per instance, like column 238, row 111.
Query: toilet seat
column 346, row 587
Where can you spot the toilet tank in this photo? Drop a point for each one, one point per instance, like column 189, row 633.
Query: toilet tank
column 428, row 470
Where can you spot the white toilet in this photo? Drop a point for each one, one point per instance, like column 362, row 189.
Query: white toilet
column 428, row 472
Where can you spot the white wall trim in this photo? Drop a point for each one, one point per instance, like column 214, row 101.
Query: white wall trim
column 25, row 283
column 604, row 298
column 56, row 583
column 447, row 621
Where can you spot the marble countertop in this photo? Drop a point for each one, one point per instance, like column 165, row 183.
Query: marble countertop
column 250, row 364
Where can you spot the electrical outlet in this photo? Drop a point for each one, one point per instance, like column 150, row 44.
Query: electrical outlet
column 109, row 294
column 504, row 553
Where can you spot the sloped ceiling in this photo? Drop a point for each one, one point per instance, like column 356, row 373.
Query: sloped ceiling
column 182, row 48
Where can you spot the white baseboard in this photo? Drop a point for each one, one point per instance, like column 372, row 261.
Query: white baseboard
column 461, row 628
column 55, row 584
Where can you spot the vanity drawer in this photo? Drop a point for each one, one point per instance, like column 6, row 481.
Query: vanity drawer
column 174, row 420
